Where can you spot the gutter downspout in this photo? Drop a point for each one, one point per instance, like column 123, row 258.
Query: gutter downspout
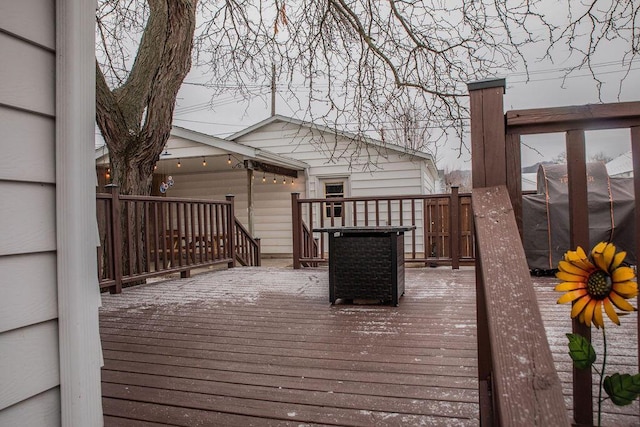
column 77, row 279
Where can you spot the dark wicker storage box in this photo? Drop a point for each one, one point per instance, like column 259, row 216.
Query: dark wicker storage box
column 366, row 263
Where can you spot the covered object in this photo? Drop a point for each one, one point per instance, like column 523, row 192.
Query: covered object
column 545, row 215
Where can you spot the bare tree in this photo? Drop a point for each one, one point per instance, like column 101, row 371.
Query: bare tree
column 355, row 58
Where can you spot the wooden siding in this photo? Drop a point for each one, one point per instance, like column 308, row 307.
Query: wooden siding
column 28, row 212
column 32, row 20
column 28, row 290
column 29, row 367
column 30, row 76
column 29, row 359
column 28, row 147
column 41, row 410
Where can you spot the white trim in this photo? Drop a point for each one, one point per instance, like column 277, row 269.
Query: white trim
column 78, row 291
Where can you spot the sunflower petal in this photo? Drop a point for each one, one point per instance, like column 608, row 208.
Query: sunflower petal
column 580, row 259
column 609, row 254
column 588, row 312
column 598, row 255
column 622, row 274
column 572, row 268
column 626, row 289
column 611, row 312
column 619, row 302
column 568, row 277
column 579, row 305
column 572, row 295
column 617, row 260
column 570, row 286
column 598, row 321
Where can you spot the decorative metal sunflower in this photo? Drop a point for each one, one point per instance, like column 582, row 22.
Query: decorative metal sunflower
column 596, row 283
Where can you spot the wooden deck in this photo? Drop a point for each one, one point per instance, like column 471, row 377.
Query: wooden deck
column 263, row 346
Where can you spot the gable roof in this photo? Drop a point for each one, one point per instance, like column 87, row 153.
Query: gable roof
column 231, row 147
column 324, row 128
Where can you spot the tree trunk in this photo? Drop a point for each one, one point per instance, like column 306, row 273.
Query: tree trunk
column 135, row 118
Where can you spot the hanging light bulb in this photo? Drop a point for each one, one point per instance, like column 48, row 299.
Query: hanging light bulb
column 292, row 181
column 155, row 167
column 204, row 161
column 229, row 159
column 284, row 180
column 274, row 179
column 264, row 178
column 179, row 164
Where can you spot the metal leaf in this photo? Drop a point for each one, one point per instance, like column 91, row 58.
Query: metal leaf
column 581, row 351
column 622, row 389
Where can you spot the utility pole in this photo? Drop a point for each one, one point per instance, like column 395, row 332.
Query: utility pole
column 273, row 89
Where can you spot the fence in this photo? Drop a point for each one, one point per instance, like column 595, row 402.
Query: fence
column 143, row 237
column 443, row 233
column 495, row 142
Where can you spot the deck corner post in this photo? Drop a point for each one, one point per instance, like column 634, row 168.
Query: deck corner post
column 259, row 251
column 231, row 222
column 296, row 221
column 454, row 226
column 488, row 140
column 116, row 255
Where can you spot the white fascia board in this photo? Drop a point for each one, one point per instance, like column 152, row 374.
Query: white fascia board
column 213, row 141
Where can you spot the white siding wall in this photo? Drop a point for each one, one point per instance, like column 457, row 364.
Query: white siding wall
column 272, row 202
column 397, row 175
column 29, row 366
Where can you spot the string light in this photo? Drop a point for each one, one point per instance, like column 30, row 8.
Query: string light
column 204, row 161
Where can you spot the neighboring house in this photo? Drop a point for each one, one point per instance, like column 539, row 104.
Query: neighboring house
column 263, row 164
column 49, row 338
column 621, row 166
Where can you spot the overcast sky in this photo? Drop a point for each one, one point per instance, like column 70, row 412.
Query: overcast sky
column 223, row 116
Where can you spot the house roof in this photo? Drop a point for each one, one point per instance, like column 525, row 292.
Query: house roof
column 228, row 146
column 620, row 165
column 323, row 128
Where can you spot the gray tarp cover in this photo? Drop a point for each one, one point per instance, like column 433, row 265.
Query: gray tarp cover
column 545, row 215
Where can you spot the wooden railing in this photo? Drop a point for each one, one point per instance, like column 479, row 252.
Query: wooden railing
column 247, row 248
column 495, row 143
column 143, row 236
column 443, row 233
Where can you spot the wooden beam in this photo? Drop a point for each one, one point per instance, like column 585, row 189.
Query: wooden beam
column 270, row 169
column 526, row 387
column 587, row 117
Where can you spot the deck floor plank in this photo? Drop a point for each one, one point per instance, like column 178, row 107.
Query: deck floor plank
column 263, row 346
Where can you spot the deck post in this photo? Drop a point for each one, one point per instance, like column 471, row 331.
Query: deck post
column 116, row 238
column 454, row 227
column 635, row 154
column 296, row 220
column 488, row 166
column 231, row 223
column 579, row 236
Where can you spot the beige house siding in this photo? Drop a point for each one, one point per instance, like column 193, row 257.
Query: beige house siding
column 35, row 338
column 29, row 365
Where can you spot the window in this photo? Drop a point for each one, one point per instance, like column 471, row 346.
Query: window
column 333, row 190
